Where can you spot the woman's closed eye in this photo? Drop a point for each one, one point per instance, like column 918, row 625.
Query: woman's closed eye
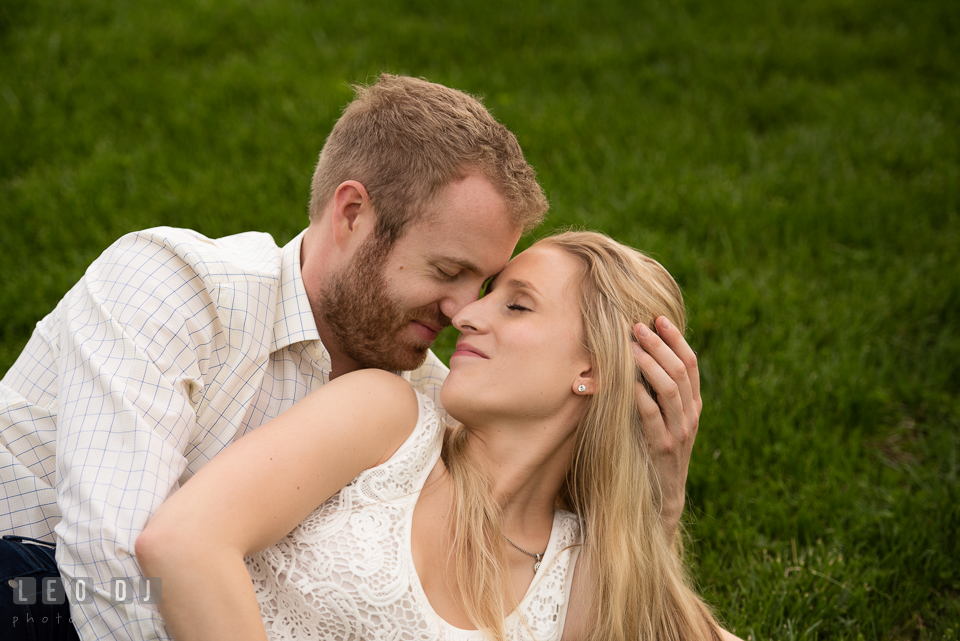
column 517, row 308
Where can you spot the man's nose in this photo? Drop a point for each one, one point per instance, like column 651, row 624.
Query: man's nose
column 457, row 300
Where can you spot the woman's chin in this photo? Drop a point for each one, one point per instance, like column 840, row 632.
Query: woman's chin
column 449, row 396
column 459, row 401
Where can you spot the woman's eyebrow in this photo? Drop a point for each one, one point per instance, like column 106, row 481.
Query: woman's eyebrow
column 513, row 283
column 516, row 283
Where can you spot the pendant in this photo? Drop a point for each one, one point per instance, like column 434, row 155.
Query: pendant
column 536, row 566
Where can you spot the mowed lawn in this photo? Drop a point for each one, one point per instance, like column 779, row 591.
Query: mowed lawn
column 793, row 163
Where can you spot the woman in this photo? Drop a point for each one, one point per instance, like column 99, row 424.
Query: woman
column 429, row 544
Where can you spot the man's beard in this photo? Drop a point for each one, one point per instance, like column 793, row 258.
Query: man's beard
column 367, row 322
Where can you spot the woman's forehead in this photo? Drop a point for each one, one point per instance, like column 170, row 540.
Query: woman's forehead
column 547, row 270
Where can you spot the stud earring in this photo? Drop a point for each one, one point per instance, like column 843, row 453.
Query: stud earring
column 582, row 389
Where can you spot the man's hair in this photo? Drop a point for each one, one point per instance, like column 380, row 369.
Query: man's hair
column 404, row 139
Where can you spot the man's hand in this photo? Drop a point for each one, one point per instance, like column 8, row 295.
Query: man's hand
column 670, row 422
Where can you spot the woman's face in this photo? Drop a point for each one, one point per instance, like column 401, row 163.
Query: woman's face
column 519, row 353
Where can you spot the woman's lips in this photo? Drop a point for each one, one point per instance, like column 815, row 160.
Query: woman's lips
column 463, row 349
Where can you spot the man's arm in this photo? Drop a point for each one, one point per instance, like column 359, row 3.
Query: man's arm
column 671, row 421
column 138, row 334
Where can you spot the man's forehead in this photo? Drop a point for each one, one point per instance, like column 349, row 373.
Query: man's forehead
column 469, row 224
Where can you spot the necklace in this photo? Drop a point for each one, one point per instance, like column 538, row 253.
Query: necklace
column 537, row 557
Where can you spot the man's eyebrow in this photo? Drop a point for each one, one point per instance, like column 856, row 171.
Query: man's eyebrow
column 460, row 262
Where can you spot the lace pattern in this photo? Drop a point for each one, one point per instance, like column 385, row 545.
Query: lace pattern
column 346, row 572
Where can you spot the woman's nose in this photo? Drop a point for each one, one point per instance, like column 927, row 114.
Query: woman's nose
column 469, row 317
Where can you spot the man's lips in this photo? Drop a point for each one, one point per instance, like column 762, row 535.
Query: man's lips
column 464, row 349
column 426, row 331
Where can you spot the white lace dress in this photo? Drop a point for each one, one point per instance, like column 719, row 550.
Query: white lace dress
column 347, row 572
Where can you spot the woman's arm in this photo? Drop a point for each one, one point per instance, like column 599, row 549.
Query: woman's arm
column 257, row 490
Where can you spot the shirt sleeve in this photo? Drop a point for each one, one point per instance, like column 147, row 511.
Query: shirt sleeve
column 134, row 334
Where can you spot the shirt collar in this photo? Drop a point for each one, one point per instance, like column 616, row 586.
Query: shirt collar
column 294, row 321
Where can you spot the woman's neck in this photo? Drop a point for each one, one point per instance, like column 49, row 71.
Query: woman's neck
column 527, row 462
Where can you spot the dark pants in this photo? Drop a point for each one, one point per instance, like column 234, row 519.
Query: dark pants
column 22, row 559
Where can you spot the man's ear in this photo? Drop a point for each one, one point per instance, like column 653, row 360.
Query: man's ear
column 584, row 384
column 352, row 218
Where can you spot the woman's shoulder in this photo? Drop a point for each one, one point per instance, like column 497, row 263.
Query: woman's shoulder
column 375, row 397
column 417, row 433
column 399, row 402
column 428, row 431
column 374, row 411
column 384, row 399
column 567, row 525
column 377, row 381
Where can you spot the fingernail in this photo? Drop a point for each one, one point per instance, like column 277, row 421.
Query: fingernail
column 644, row 331
column 636, row 349
column 665, row 324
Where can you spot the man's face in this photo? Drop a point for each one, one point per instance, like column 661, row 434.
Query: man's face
column 387, row 306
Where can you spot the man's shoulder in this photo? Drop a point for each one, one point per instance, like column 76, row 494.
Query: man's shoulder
column 250, row 250
column 238, row 256
column 160, row 281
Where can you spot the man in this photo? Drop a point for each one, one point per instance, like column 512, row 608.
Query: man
column 173, row 345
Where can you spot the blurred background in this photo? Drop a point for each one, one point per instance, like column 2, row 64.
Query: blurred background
column 794, row 163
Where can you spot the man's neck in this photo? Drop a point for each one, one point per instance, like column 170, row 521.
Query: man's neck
column 340, row 363
column 313, row 269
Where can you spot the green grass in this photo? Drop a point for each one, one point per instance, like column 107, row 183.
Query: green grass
column 795, row 164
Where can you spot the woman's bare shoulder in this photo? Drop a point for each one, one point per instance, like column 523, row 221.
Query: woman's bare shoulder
column 368, row 392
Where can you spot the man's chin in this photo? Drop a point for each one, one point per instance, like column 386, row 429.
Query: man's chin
column 414, row 360
column 402, row 358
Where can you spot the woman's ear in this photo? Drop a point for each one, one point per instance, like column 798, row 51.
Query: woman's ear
column 584, row 384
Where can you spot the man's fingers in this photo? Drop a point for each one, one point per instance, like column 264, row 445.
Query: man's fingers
column 675, row 340
column 653, row 426
column 667, row 375
column 670, row 395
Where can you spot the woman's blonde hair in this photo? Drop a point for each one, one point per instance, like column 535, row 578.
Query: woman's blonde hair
column 638, row 584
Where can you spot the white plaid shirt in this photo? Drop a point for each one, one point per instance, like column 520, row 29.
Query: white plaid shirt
column 169, row 348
